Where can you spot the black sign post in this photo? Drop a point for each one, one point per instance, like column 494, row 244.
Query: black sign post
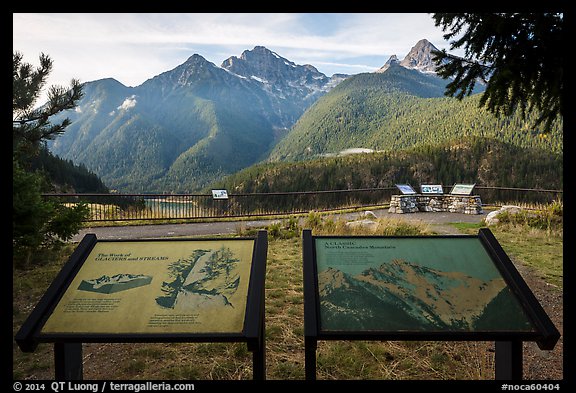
column 182, row 289
column 429, row 288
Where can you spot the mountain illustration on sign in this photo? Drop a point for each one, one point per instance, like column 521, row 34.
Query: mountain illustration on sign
column 205, row 279
column 116, row 283
column 400, row 295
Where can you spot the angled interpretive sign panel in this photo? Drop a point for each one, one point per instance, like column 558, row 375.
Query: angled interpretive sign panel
column 406, row 189
column 434, row 189
column 458, row 287
column 157, row 290
column 157, row 286
column 462, row 189
column 413, row 284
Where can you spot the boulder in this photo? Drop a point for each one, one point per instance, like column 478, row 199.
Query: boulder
column 369, row 214
column 492, row 217
column 362, row 224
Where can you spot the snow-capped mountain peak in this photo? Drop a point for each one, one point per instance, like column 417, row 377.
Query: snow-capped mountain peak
column 419, row 58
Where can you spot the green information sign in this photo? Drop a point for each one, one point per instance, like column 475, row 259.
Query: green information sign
column 462, row 189
column 457, row 287
column 413, row 284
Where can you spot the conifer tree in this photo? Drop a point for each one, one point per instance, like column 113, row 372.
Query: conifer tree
column 31, row 123
column 518, row 55
column 37, row 224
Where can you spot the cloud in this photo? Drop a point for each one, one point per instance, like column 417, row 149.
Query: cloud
column 134, row 47
column 129, row 102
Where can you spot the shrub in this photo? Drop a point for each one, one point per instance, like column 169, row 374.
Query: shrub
column 548, row 218
column 39, row 225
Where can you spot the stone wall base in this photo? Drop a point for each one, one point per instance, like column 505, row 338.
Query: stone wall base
column 436, row 203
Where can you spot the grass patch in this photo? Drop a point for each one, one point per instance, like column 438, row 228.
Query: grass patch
column 468, row 227
column 533, row 238
column 535, row 248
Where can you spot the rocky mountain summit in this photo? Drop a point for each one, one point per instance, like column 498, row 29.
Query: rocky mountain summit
column 392, row 60
column 419, row 58
column 276, row 73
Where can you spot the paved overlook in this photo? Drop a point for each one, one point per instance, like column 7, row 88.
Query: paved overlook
column 438, row 223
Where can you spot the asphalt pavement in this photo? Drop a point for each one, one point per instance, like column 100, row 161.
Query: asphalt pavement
column 438, row 222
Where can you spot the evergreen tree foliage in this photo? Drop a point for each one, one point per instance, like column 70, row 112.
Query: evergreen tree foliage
column 31, row 124
column 65, row 176
column 518, row 55
column 37, row 224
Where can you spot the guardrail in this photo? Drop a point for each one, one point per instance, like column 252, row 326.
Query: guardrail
column 122, row 207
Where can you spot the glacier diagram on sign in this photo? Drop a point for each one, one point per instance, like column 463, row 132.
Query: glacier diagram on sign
column 208, row 278
column 115, row 283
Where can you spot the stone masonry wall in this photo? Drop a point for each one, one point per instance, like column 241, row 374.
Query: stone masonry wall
column 435, row 203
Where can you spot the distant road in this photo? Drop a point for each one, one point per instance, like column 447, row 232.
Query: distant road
column 437, row 221
column 169, row 230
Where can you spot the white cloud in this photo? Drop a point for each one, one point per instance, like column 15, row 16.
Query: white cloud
column 133, row 47
column 129, row 102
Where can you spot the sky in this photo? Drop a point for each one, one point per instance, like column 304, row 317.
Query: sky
column 134, row 47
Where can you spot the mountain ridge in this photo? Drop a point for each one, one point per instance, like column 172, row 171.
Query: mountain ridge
column 178, row 130
column 403, row 295
column 184, row 129
column 419, row 58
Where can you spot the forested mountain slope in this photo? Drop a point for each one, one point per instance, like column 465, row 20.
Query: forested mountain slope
column 485, row 161
column 397, row 109
column 188, row 126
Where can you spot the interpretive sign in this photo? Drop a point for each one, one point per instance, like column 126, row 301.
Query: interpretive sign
column 431, row 189
column 416, row 288
column 219, row 194
column 183, row 290
column 406, row 189
column 135, row 287
column 462, row 189
column 413, row 284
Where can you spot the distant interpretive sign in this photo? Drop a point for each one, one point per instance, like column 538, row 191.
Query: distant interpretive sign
column 431, row 189
column 219, row 194
column 406, row 189
column 462, row 189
